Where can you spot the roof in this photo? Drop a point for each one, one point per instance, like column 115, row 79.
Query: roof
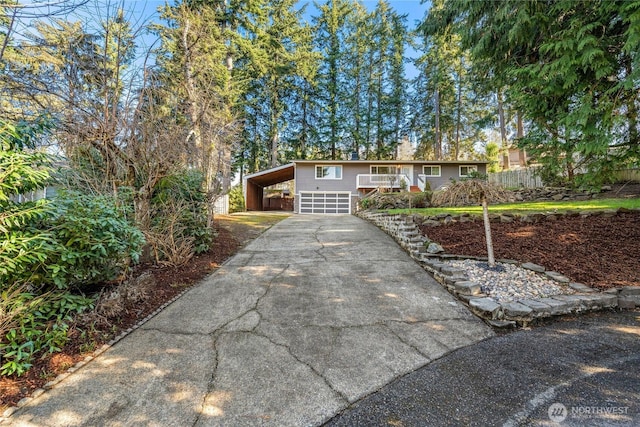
column 286, row 172
column 272, row 176
column 394, row 162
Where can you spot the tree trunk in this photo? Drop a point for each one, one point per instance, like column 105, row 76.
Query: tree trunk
column 503, row 133
column 522, row 153
column 487, row 232
column 438, row 145
column 274, row 130
column 458, row 119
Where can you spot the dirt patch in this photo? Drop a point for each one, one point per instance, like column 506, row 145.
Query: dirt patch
column 598, row 251
column 233, row 232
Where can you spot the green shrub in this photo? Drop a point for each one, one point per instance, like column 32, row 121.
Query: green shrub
column 72, row 241
column 24, row 243
column 183, row 189
column 34, row 324
column 77, row 241
column 404, row 200
column 365, row 203
column 236, row 200
column 95, row 241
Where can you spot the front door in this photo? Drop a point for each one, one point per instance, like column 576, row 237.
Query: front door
column 408, row 171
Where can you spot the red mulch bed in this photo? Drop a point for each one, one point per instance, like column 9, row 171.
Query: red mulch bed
column 169, row 282
column 597, row 251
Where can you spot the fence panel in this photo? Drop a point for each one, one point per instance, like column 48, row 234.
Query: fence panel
column 221, row 205
column 628, row 175
column 518, row 178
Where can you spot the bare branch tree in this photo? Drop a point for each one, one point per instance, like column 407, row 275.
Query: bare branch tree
column 474, row 191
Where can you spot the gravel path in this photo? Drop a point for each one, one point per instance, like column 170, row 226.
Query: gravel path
column 508, row 282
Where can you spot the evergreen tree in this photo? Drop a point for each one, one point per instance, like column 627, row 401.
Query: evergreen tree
column 570, row 67
column 331, row 34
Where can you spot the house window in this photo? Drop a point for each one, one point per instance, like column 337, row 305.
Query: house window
column 384, row 170
column 431, row 170
column 329, row 172
column 465, row 171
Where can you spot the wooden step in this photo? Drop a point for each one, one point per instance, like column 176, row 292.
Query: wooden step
column 414, row 189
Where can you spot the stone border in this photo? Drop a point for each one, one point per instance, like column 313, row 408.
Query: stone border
column 406, row 232
column 53, row 383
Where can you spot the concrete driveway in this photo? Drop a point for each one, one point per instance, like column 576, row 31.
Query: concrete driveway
column 316, row 313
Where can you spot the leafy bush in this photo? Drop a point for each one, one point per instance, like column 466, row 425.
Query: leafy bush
column 95, row 241
column 236, row 199
column 397, row 200
column 24, row 245
column 74, row 240
column 34, row 324
column 185, row 190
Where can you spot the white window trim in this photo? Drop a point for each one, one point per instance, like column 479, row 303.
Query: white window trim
column 432, row 166
column 475, row 169
column 315, row 172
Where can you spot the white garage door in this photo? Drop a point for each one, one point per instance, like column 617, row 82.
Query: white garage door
column 325, row 203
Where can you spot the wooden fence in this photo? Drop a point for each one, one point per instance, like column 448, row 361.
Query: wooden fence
column 518, row 178
column 628, row 175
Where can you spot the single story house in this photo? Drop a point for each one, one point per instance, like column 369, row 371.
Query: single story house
column 335, row 186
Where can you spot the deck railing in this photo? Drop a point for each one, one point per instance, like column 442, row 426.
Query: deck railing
column 422, row 182
column 391, row 181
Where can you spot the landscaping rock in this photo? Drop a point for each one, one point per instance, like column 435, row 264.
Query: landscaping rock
column 451, row 271
column 434, row 248
column 556, row 307
column 580, row 287
column 514, row 309
column 538, row 307
column 468, row 288
column 605, row 300
column 486, row 306
column 554, row 275
column 626, row 303
column 630, row 290
column 575, row 303
column 533, row 267
column 502, row 324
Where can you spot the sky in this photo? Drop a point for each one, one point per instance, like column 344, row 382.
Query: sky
column 414, row 10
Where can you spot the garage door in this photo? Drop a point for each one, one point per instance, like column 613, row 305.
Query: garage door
column 325, row 203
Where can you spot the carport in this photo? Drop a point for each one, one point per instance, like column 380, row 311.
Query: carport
column 254, row 184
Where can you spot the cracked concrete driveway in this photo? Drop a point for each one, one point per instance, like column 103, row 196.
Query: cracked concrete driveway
column 316, row 313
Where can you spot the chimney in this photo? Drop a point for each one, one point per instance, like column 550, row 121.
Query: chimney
column 354, row 155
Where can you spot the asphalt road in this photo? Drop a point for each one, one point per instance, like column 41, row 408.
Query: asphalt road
column 581, row 371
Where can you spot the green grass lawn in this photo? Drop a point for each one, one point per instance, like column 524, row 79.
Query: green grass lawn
column 529, row 207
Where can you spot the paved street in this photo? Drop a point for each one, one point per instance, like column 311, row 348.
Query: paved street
column 572, row 372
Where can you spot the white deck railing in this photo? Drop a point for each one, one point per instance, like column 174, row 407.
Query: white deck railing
column 422, row 182
column 383, row 181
